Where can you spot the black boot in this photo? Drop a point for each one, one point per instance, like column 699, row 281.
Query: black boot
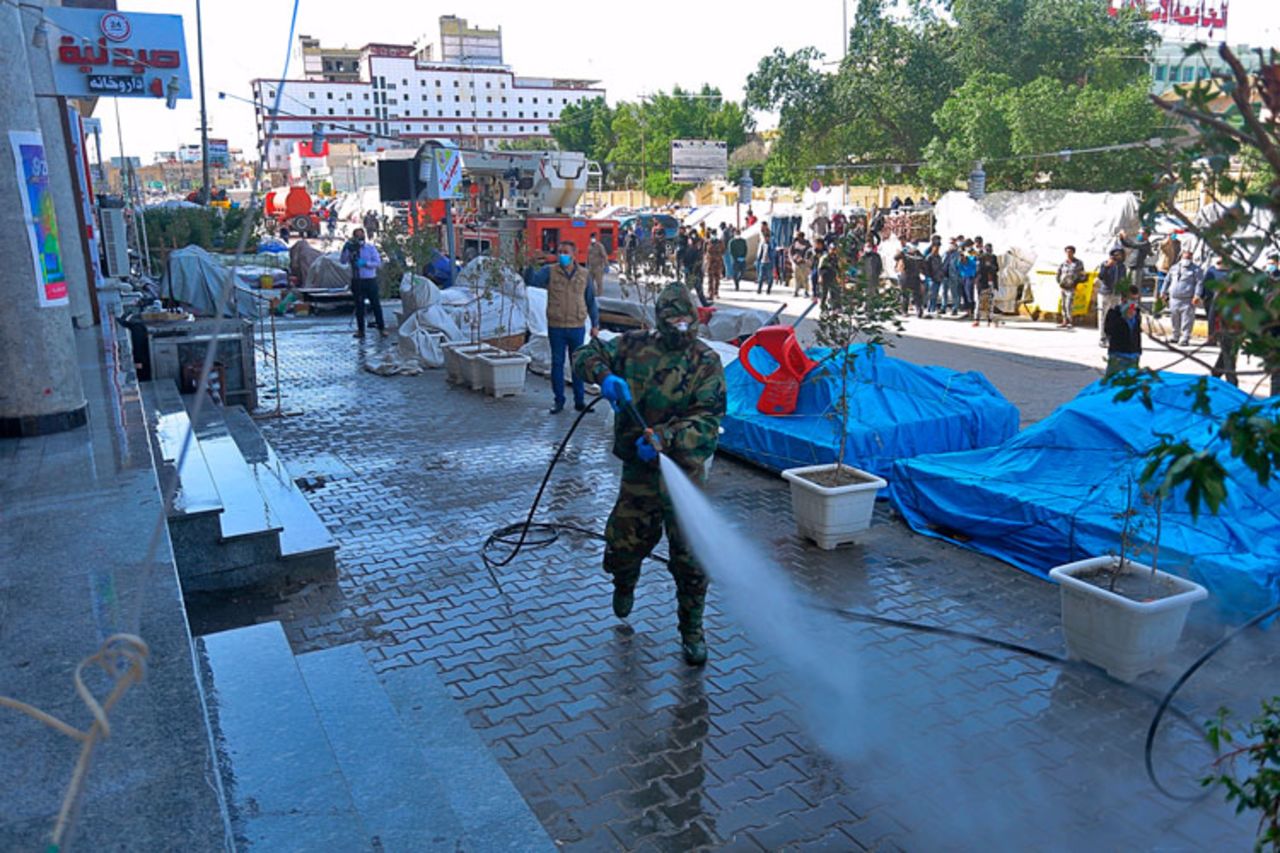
column 623, row 601
column 624, row 592
column 693, row 643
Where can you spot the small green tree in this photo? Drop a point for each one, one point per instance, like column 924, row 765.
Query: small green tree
column 1247, row 229
column 860, row 311
column 1258, row 785
column 403, row 250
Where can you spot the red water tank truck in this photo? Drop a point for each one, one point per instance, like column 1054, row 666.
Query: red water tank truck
column 292, row 207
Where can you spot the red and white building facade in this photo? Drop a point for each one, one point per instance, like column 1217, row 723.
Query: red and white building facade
column 403, row 97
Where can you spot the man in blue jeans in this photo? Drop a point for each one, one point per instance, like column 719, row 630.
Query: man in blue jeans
column 570, row 301
column 364, row 260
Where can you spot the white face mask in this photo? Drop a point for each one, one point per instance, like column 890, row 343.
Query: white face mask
column 682, row 326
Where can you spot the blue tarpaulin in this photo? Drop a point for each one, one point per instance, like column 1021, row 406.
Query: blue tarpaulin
column 899, row 410
column 1056, row 493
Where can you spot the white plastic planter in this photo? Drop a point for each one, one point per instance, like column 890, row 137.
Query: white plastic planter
column 1123, row 636
column 472, row 368
column 504, row 372
column 831, row 516
column 454, row 371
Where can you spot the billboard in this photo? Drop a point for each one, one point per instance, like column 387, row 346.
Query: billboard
column 696, row 160
column 219, row 153
column 441, row 173
column 117, row 54
column 37, row 207
column 1185, row 18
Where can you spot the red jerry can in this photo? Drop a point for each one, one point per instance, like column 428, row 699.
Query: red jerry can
column 782, row 387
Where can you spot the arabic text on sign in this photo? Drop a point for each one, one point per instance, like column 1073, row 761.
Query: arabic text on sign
column 86, row 57
column 119, row 85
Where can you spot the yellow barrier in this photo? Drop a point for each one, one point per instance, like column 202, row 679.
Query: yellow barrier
column 1046, row 297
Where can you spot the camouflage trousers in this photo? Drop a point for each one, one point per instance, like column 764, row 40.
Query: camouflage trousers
column 642, row 511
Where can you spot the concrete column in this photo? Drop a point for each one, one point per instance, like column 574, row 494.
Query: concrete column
column 49, row 110
column 40, row 390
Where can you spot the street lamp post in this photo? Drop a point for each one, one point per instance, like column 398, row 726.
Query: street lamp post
column 204, row 118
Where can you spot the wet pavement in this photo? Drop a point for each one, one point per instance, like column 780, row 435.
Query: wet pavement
column 880, row 739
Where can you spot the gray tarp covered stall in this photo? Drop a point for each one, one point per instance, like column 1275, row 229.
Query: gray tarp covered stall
column 196, row 278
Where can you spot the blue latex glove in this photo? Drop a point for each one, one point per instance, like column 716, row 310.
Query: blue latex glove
column 359, row 262
column 645, row 450
column 615, row 390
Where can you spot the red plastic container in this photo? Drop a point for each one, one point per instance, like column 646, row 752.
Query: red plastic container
column 782, row 387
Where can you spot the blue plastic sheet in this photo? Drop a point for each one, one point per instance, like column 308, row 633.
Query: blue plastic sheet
column 899, row 410
column 1055, row 494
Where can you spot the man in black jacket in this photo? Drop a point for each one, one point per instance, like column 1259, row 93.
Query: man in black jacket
column 1123, row 329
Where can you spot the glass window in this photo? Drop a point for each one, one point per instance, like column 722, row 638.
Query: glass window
column 1186, row 74
column 311, row 95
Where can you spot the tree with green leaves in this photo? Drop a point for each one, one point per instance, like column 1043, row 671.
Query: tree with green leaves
column 1235, row 157
column 1246, row 229
column 995, row 80
column 633, row 139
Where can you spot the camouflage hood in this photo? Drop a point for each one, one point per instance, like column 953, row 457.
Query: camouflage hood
column 674, row 304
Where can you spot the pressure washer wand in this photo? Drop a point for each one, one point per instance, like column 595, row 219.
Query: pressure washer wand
column 648, row 430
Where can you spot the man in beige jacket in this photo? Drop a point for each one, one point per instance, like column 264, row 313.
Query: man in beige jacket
column 571, row 299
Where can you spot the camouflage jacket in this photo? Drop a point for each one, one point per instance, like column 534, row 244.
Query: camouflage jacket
column 678, row 389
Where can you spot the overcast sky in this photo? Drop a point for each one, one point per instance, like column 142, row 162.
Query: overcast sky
column 632, row 48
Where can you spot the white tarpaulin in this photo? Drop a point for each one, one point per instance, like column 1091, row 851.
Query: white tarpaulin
column 417, row 339
column 1251, row 238
column 417, row 293
column 1037, row 225
column 301, row 256
column 488, row 300
column 329, row 272
column 196, row 279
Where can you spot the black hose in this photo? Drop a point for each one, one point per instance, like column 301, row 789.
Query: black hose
column 1177, row 685
column 551, row 533
column 503, row 535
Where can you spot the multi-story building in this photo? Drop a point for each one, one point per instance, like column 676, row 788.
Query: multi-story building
column 1171, row 65
column 402, row 96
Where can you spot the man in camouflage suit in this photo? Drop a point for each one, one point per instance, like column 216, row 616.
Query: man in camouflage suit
column 676, row 382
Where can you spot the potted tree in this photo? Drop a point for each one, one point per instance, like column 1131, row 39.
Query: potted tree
column 481, row 285
column 832, row 503
column 503, row 369
column 1118, row 613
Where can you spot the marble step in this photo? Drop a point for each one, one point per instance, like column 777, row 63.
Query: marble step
column 284, row 787
column 495, row 818
column 402, row 800
column 195, row 494
column 245, row 511
column 303, row 535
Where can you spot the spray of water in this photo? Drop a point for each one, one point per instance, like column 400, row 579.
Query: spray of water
column 901, row 733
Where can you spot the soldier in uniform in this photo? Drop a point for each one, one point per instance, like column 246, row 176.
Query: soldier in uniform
column 676, row 382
